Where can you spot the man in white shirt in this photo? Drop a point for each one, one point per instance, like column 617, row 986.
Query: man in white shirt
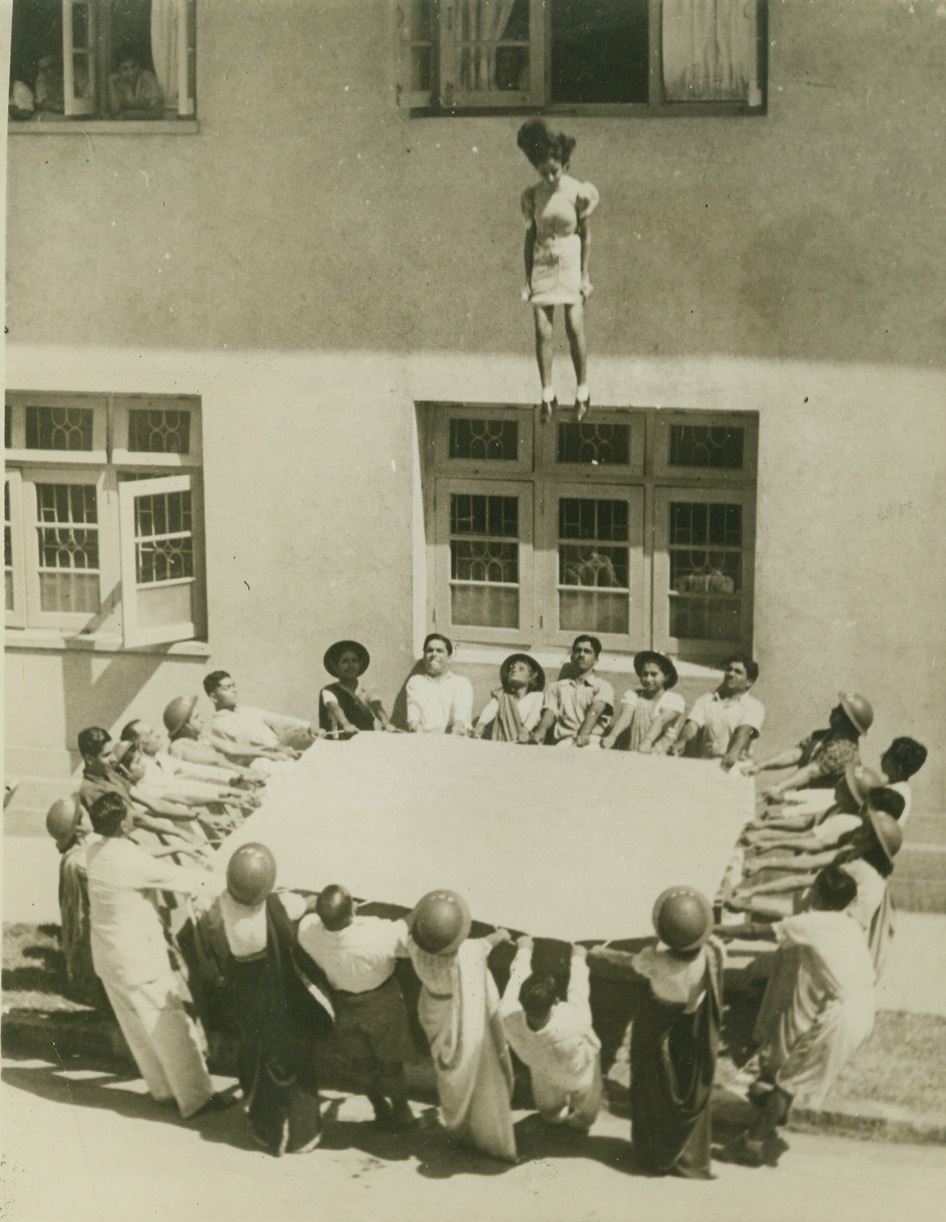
column 581, row 704
column 192, row 784
column 724, row 723
column 555, row 1039
column 246, row 734
column 358, row 955
column 438, row 701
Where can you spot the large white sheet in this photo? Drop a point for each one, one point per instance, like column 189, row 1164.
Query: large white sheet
column 560, row 842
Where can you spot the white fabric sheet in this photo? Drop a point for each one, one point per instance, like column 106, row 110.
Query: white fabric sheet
column 571, row 843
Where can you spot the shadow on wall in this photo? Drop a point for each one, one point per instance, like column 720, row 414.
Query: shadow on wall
column 99, row 698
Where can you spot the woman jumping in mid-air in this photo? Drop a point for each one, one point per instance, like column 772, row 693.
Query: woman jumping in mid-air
column 556, row 210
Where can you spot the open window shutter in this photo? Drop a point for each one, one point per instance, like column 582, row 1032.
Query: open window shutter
column 78, row 56
column 162, row 560
column 414, row 28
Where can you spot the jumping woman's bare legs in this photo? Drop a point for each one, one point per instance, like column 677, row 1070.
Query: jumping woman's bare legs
column 544, row 316
column 575, row 330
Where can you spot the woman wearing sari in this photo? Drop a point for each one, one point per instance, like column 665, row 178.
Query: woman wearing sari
column 515, row 708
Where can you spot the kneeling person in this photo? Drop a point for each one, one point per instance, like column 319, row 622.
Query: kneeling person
column 555, row 1039
column 358, row 955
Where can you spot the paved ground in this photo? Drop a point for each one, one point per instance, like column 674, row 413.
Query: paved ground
column 85, row 1145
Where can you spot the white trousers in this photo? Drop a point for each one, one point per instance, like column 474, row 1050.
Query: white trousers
column 577, row 1108
column 164, row 1040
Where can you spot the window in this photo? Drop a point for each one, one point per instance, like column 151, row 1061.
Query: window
column 104, row 59
column 646, row 56
column 103, row 518
column 636, row 525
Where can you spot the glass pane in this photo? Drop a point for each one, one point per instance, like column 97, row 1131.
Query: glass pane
column 699, row 523
column 8, row 582
column 65, row 591
column 599, row 50
column 592, row 611
column 598, row 444
column 581, row 518
column 163, row 605
column 493, row 46
column 484, row 439
column 485, row 606
column 484, row 560
column 59, row 428
column 420, row 70
column 164, row 542
column 698, row 446
column 711, row 619
column 693, row 571
column 473, row 514
column 7, row 426
column 158, row 431
column 603, row 567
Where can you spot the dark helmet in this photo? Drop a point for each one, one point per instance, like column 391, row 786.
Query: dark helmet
column 178, row 713
column 858, row 710
column 251, row 874
column 683, row 918
column 62, row 819
column 440, row 921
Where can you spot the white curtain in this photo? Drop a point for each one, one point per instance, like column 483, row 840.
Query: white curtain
column 710, row 52
column 480, row 22
column 166, row 16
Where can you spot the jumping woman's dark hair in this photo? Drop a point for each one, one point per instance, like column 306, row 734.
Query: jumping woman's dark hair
column 539, row 143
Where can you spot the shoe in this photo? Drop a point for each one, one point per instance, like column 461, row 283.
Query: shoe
column 382, row 1112
column 401, row 1119
column 546, row 409
column 745, row 1150
column 216, row 1103
column 581, row 408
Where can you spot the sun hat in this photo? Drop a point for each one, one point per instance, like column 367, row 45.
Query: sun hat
column 334, row 652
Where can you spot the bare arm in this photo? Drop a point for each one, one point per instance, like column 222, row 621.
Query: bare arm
column 592, row 717
column 546, row 721
column 787, row 759
column 738, row 745
column 798, row 780
column 584, row 233
column 625, row 713
column 528, row 252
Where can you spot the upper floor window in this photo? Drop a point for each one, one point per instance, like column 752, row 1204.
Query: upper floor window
column 102, row 59
column 103, row 519
column 655, row 56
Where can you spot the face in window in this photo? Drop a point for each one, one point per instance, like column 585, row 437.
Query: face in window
column 225, row 697
column 436, row 658
column 129, row 70
column 583, row 657
column 551, row 171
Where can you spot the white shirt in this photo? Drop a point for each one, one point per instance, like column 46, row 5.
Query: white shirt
column 359, row 957
column 259, row 728
column 436, row 705
column 719, row 720
column 127, row 937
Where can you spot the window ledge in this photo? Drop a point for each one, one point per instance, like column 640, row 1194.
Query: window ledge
column 105, row 127
column 60, row 642
column 552, row 657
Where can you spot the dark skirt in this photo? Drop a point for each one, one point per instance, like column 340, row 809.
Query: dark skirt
column 673, row 1060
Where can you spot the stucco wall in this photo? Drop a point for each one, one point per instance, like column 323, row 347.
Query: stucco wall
column 313, row 261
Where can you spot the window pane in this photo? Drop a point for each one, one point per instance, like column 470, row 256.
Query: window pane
column 7, row 547
column 484, row 560
column 159, row 606
column 699, row 446
column 600, row 444
column 7, row 426
column 596, row 562
column 599, row 50
column 59, row 428
column 68, row 547
column 164, row 542
column 157, row 431
column 706, row 570
column 484, row 439
column 492, row 45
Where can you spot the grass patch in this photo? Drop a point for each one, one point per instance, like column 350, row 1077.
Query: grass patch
column 903, row 1063
column 34, row 971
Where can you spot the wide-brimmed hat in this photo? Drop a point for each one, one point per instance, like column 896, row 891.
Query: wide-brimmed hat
column 178, row 713
column 683, row 918
column 860, row 780
column 649, row 655
column 887, row 832
column 504, row 670
column 858, row 709
column 334, row 652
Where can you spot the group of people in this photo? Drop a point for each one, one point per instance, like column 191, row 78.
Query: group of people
column 309, row 971
column 133, row 90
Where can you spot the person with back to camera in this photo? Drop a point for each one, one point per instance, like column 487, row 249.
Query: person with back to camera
column 358, row 955
column 459, row 1012
column 674, row 1034
column 555, row 1039
column 652, row 714
column 902, row 760
column 438, row 701
column 557, row 245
